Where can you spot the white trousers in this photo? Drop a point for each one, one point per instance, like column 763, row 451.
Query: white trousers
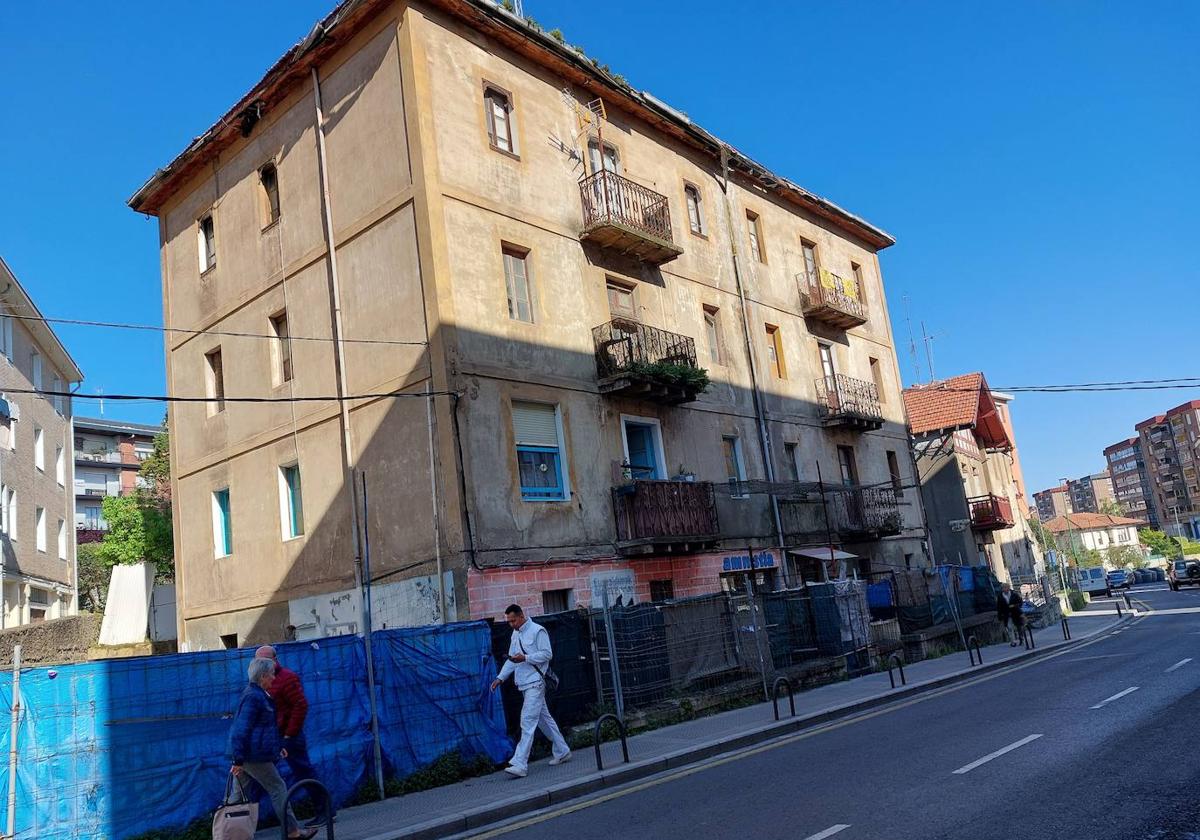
column 535, row 715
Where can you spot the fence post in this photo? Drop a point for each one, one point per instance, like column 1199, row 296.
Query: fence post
column 618, row 696
column 12, row 744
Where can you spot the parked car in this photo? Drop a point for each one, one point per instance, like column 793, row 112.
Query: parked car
column 1093, row 581
column 1120, row 579
column 1183, row 573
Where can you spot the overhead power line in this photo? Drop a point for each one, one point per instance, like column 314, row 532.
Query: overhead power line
column 226, row 399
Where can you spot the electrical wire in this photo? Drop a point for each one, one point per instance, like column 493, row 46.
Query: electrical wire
column 226, row 399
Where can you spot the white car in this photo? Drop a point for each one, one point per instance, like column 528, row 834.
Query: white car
column 1093, row 581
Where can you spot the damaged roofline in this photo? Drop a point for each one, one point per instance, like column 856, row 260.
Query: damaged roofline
column 536, row 45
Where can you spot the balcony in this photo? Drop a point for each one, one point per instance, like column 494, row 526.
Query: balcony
column 99, row 457
column 990, row 513
column 665, row 516
column 854, row 514
column 635, row 360
column 627, row 217
column 849, row 403
column 831, row 299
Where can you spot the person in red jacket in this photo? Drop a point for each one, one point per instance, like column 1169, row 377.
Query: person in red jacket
column 291, row 708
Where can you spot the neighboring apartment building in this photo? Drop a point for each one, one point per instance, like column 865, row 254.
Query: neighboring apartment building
column 1089, row 493
column 1131, row 481
column 963, row 449
column 37, row 564
column 1095, row 531
column 1171, row 452
column 108, row 455
column 558, row 283
column 1053, row 502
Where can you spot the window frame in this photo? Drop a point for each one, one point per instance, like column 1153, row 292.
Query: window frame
column 896, row 475
column 6, row 334
column 754, row 233
column 60, row 465
column 36, row 370
column 697, row 228
column 291, row 502
column 62, row 539
column 39, row 518
column 775, row 351
column 877, row 379
column 712, row 333
column 660, row 455
column 489, row 119
column 222, row 516
column 851, row 462
column 39, row 449
column 567, row 593
column 739, row 463
column 524, row 255
column 214, row 381
column 538, row 494
column 612, row 283
column 282, row 365
column 206, row 243
column 791, row 456
column 272, row 210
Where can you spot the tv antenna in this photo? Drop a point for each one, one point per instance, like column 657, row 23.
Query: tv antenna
column 912, row 345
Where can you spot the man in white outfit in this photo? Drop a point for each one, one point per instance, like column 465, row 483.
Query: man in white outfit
column 529, row 655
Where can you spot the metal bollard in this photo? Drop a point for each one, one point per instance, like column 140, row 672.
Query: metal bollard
column 775, row 695
column 1066, row 628
column 1128, row 605
column 1118, row 603
column 328, row 806
column 1029, row 645
column 620, row 729
column 895, row 657
column 972, row 641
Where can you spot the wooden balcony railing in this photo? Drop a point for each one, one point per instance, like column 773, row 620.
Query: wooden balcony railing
column 990, row 513
column 849, row 402
column 665, row 515
column 853, row 513
column 621, row 214
column 834, row 300
column 634, row 359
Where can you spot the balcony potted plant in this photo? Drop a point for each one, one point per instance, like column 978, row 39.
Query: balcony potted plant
column 627, row 487
column 683, row 475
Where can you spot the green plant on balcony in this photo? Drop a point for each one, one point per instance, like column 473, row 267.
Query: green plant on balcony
column 692, row 379
column 892, row 521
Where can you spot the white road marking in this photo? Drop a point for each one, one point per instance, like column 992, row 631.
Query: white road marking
column 967, row 768
column 1178, row 665
column 1116, row 696
column 829, row 832
column 1098, row 656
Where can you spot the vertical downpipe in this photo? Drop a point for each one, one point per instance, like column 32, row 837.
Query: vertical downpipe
column 12, row 744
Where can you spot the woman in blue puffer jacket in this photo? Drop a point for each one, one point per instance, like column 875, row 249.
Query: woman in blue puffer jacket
column 255, row 743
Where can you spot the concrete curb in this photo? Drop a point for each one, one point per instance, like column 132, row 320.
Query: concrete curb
column 533, row 800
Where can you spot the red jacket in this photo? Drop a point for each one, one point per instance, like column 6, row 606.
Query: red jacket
column 290, row 705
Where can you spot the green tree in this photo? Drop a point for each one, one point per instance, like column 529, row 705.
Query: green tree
column 1120, row 556
column 1111, row 507
column 139, row 525
column 1161, row 544
column 94, row 575
column 1044, row 538
column 1086, row 558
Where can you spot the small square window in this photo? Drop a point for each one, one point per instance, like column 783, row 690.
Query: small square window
column 229, row 641
column 556, row 600
column 620, row 300
column 662, row 590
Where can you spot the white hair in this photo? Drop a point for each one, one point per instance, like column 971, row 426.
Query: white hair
column 259, row 668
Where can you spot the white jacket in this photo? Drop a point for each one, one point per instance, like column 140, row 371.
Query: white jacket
column 532, row 640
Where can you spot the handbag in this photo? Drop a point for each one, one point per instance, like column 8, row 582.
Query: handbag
column 548, row 676
column 235, row 820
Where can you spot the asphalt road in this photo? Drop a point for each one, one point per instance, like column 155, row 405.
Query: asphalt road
column 1101, row 741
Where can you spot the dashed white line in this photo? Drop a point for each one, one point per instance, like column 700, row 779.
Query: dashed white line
column 1178, row 665
column 967, row 768
column 1116, row 696
column 829, row 832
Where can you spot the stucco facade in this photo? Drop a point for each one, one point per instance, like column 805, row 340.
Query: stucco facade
column 429, row 221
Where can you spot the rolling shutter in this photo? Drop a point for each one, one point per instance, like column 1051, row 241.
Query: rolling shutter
column 534, row 424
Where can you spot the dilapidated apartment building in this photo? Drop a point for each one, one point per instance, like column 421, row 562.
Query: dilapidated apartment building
column 584, row 346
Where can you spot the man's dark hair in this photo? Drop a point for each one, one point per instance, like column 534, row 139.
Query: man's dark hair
column 514, row 609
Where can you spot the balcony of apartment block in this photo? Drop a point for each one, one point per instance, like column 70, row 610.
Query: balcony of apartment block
column 657, row 516
column 831, row 299
column 98, row 457
column 849, row 403
column 644, row 362
column 852, row 514
column 990, row 513
column 624, row 216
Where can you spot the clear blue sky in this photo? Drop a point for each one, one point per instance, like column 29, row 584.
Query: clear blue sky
column 1036, row 161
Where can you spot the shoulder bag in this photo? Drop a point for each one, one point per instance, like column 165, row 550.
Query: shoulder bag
column 235, row 820
column 548, row 676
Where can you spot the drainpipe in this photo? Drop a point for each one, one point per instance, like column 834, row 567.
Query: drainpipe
column 764, row 437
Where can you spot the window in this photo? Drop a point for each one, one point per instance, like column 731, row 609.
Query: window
column 281, row 348
column 610, row 160
column 12, row 435
column 39, row 603
column 856, row 271
column 206, row 241
column 775, row 352
column 40, row 517
column 792, row 456
column 877, row 378
column 222, row 523
column 644, row 455
column 268, row 180
column 59, row 387
column 712, row 332
column 39, row 449
column 894, row 472
column 846, row 465
column 735, row 469
column 215, row 381
column 662, row 590
column 754, row 229
column 827, row 369
column 60, row 466
column 811, row 272
column 6, row 336
column 230, row 641
column 539, row 451
column 516, row 278
column 35, row 364
column 291, row 502
column 620, row 300
column 556, row 600
column 498, row 113
column 11, row 512
column 62, row 539
column 691, row 197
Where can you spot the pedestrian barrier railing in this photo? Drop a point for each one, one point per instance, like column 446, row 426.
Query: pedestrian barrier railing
column 325, row 797
column 973, row 642
column 1066, row 628
column 899, row 663
column 620, row 730
column 782, row 681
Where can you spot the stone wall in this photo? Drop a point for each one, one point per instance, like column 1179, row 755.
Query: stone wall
column 56, row 642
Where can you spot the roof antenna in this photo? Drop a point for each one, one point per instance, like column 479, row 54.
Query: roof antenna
column 912, row 345
column 928, row 339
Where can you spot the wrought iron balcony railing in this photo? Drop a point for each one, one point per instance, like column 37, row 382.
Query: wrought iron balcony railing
column 654, row 514
column 849, row 402
column 832, row 299
column 635, row 359
column 853, row 513
column 622, row 214
column 990, row 513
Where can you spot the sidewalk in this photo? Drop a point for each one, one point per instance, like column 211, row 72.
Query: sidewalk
column 473, row 803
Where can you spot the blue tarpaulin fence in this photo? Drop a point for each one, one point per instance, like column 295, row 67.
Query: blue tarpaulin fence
column 114, row 749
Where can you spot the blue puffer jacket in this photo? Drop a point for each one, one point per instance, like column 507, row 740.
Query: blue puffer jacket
column 254, row 735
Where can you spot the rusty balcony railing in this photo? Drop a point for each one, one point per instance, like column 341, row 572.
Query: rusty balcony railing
column 654, row 514
column 635, row 359
column 622, row 214
column 849, row 402
column 990, row 513
column 826, row 297
column 854, row 513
